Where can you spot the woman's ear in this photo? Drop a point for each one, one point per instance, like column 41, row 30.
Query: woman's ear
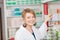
column 23, row 19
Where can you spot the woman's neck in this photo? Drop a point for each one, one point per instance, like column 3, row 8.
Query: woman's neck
column 29, row 28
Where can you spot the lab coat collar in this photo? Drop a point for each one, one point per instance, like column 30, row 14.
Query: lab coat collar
column 29, row 33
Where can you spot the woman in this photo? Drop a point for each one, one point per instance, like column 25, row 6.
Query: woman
column 28, row 31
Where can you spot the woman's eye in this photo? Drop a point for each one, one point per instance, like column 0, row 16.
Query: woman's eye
column 28, row 17
column 33, row 17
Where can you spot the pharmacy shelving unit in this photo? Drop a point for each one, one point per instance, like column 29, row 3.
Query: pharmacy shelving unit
column 13, row 10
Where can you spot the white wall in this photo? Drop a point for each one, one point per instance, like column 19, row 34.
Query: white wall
column 53, row 6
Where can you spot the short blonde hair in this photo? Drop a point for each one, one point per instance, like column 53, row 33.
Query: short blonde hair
column 28, row 10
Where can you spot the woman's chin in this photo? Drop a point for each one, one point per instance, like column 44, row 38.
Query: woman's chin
column 31, row 24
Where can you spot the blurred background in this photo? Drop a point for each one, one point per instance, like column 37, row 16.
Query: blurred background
column 10, row 17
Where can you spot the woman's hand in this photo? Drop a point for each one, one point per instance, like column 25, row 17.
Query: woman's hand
column 48, row 17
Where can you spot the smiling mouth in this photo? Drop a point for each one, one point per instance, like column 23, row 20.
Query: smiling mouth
column 31, row 22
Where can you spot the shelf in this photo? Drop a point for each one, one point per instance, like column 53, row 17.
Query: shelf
column 13, row 17
column 13, row 27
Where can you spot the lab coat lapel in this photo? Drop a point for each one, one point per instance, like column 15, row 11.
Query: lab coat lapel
column 29, row 35
column 35, row 32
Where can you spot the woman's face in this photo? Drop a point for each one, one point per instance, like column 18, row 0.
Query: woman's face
column 29, row 19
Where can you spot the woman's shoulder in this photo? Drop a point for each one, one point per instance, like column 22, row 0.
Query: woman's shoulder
column 19, row 34
column 19, row 31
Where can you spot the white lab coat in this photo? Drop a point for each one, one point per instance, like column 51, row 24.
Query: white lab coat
column 24, row 34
